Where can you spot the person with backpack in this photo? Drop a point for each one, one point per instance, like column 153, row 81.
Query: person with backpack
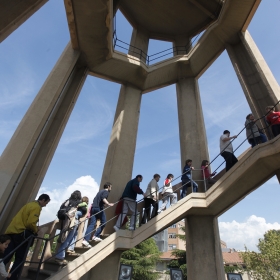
column 97, row 212
column 65, row 214
column 81, row 212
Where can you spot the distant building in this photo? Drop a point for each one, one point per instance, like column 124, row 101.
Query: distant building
column 167, row 241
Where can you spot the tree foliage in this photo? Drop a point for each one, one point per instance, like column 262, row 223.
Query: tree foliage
column 264, row 265
column 180, row 261
column 143, row 258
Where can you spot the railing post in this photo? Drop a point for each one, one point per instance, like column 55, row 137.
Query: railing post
column 135, row 215
column 121, row 220
column 41, row 259
column 205, row 187
column 191, row 182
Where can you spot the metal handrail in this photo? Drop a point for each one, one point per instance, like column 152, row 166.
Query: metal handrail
column 29, row 239
column 252, row 134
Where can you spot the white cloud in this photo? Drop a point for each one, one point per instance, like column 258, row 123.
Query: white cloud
column 237, row 235
column 85, row 184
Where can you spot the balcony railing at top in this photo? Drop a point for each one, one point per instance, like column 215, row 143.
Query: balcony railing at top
column 170, row 52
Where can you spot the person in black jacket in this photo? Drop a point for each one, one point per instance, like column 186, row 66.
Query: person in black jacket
column 97, row 213
column 129, row 202
column 73, row 201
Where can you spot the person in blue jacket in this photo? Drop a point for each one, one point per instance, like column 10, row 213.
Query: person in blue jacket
column 187, row 178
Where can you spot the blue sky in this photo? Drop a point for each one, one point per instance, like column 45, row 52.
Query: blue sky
column 28, row 55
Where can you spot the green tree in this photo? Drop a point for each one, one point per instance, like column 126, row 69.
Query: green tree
column 264, row 265
column 143, row 258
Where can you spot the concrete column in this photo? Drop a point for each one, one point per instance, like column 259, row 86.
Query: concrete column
column 15, row 13
column 204, row 255
column 181, row 46
column 107, row 269
column 26, row 158
column 139, row 44
column 120, row 155
column 193, row 141
column 258, row 83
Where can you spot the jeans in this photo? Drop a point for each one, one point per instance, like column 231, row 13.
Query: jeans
column 230, row 159
column 257, row 140
column 78, row 215
column 61, row 250
column 187, row 184
column 100, row 216
column 165, row 199
column 20, row 254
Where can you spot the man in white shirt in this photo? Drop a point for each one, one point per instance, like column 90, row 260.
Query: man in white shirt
column 152, row 194
column 227, row 150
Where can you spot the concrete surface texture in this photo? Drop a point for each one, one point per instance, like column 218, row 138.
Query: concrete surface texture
column 200, row 211
column 29, row 153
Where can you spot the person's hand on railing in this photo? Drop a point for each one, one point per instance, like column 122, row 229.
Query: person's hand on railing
column 110, row 204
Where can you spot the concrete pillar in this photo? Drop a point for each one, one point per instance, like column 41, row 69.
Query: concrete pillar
column 120, row 155
column 258, row 83
column 15, row 13
column 26, row 158
column 193, row 141
column 139, row 44
column 107, row 269
column 181, row 45
column 204, row 255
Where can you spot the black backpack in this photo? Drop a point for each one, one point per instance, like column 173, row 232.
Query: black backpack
column 64, row 209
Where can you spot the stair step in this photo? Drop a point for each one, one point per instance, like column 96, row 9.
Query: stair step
column 52, row 266
column 43, row 273
column 71, row 256
column 81, row 250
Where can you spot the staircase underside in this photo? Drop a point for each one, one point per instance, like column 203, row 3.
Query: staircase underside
column 256, row 167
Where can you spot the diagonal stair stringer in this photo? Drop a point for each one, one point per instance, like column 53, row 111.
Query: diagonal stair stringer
column 254, row 168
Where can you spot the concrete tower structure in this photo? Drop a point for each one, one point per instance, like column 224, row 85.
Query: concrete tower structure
column 26, row 158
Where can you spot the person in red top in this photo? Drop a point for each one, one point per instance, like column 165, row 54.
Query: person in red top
column 206, row 174
column 273, row 118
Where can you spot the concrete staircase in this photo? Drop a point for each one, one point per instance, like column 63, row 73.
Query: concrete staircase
column 253, row 169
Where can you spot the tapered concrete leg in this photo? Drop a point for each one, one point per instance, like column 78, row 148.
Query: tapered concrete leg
column 193, row 141
column 203, row 247
column 106, row 269
column 14, row 13
column 258, row 83
column 26, row 158
column 120, row 155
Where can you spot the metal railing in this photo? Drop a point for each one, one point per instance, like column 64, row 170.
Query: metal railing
column 52, row 227
column 170, row 52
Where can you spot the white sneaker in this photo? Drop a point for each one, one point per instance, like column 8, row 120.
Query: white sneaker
column 159, row 211
column 116, row 228
column 96, row 239
column 86, row 244
column 131, row 228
